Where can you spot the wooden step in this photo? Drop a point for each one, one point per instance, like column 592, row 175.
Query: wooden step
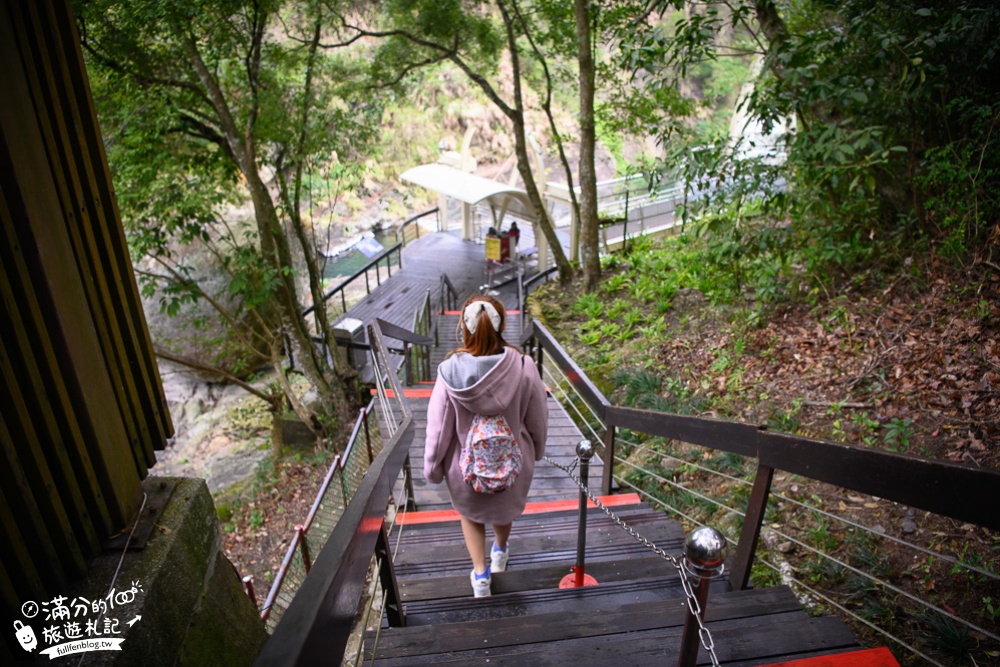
column 534, row 577
column 548, row 540
column 609, row 595
column 760, row 625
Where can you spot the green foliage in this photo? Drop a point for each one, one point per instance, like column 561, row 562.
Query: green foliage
column 962, row 179
column 898, row 432
column 589, row 304
column 991, row 611
column 891, row 146
column 199, row 104
column 944, row 636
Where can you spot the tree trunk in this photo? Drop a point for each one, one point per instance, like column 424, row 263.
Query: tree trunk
column 273, row 242
column 589, row 252
column 516, row 116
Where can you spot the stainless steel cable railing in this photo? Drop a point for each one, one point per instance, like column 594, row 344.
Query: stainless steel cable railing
column 317, row 626
column 590, row 422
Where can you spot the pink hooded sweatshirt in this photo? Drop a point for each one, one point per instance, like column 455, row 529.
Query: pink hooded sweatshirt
column 505, row 383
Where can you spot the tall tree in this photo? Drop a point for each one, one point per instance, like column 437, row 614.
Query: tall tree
column 895, row 108
column 589, row 257
column 199, row 100
column 419, row 33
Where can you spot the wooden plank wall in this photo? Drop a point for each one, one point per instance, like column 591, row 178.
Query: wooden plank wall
column 81, row 404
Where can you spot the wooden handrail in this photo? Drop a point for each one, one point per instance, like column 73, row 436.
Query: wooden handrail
column 948, row 489
column 398, row 248
column 539, row 277
column 400, row 236
column 575, row 374
column 954, row 490
column 393, row 331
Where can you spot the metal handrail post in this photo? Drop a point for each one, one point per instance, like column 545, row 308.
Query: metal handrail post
column 584, row 451
column 408, row 362
column 368, row 435
column 705, row 551
column 248, row 589
column 520, row 297
column 306, row 558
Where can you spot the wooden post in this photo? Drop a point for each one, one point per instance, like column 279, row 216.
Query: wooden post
column 609, row 460
column 368, row 435
column 390, row 586
column 411, row 504
column 306, row 558
column 747, row 546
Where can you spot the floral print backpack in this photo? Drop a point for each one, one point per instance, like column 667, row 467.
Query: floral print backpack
column 490, row 458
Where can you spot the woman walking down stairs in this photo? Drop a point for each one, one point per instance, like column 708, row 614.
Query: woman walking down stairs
column 634, row 616
column 636, row 613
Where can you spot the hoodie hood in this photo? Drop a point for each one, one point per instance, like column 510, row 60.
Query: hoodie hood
column 483, row 385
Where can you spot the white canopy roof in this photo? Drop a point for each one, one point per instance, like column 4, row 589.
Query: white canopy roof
column 470, row 188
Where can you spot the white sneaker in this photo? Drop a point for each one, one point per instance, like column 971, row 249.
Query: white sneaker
column 480, row 587
column 498, row 559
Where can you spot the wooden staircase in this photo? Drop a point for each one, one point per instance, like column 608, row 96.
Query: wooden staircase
column 634, row 616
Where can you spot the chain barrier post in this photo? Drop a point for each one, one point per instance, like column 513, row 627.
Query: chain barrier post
column 705, row 551
column 579, row 578
column 675, row 561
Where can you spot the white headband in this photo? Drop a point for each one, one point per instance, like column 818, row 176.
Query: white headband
column 472, row 311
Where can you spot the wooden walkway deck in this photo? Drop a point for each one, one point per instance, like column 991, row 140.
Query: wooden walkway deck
column 635, row 615
column 424, row 261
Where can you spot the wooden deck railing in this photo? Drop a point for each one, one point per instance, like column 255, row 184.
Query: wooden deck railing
column 385, row 256
column 404, row 234
column 348, row 469
column 954, row 490
column 316, row 626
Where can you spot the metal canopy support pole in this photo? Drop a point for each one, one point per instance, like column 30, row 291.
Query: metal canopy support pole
column 468, row 231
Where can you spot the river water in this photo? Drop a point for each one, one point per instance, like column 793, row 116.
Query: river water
column 353, row 260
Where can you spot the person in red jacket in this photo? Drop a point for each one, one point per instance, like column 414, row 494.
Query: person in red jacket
column 485, row 376
column 514, row 233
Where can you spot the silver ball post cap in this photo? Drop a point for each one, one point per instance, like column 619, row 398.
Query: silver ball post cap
column 705, row 548
column 585, row 449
